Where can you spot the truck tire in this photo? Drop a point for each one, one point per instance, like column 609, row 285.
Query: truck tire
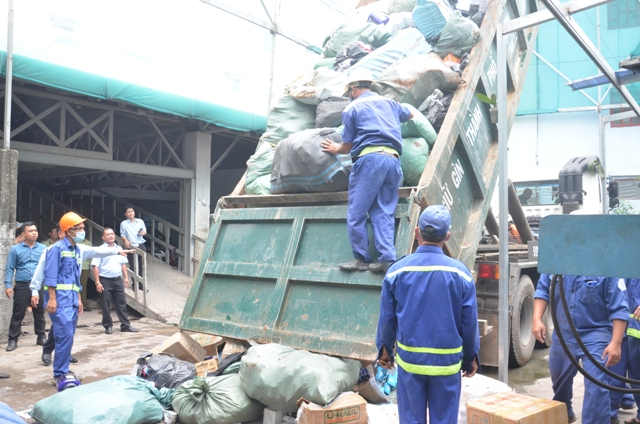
column 522, row 340
column 548, row 323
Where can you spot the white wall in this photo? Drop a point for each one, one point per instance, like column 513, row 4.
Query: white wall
column 540, row 145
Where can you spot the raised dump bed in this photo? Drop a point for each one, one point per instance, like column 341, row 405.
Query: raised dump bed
column 270, row 272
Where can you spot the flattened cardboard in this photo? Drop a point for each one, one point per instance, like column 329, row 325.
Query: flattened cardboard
column 182, row 346
column 348, row 408
column 210, row 365
column 513, row 408
column 209, row 342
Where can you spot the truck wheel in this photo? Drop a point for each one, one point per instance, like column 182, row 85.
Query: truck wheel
column 548, row 323
column 522, row 340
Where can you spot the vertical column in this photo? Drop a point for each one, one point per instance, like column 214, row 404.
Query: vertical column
column 196, row 196
column 8, row 190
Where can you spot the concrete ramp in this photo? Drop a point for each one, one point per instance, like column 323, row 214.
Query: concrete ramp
column 168, row 291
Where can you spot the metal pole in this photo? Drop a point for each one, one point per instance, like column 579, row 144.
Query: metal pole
column 503, row 151
column 274, row 34
column 8, row 79
column 603, row 158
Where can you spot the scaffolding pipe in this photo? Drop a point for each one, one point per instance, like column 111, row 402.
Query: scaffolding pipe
column 8, row 79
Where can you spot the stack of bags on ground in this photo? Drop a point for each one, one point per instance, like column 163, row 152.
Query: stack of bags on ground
column 416, row 50
column 202, row 381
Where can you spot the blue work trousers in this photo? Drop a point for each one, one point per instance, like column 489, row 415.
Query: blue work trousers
column 373, row 189
column 441, row 394
column 63, row 325
column 633, row 362
column 620, row 399
column 596, row 404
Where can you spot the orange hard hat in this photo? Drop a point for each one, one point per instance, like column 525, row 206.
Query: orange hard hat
column 70, row 219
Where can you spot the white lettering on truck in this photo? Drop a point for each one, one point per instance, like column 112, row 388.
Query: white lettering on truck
column 474, row 124
column 457, row 173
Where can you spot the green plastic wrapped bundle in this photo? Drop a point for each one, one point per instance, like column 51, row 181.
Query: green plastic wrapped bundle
column 288, row 117
column 259, row 164
column 418, row 126
column 458, row 36
column 122, row 399
column 415, row 153
column 279, row 376
column 215, row 400
column 369, row 33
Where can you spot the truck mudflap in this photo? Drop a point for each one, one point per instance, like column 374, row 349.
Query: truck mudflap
column 269, row 272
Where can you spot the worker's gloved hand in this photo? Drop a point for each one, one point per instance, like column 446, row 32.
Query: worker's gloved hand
column 539, row 330
column 385, row 361
column 613, row 352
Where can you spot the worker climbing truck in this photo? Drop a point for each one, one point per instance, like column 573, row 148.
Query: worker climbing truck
column 269, row 271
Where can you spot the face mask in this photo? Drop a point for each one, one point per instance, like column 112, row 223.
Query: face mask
column 79, row 237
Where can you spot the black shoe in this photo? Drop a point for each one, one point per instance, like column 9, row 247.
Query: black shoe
column 12, row 345
column 42, row 339
column 108, row 330
column 86, row 309
column 73, row 360
column 380, row 266
column 46, row 358
column 3, row 375
column 128, row 329
column 354, row 265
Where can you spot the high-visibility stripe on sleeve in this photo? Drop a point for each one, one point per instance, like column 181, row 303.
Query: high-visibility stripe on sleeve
column 434, row 350
column 632, row 332
column 72, row 287
column 433, row 370
column 461, row 273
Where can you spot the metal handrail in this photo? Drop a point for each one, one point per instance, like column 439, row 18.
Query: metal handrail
column 178, row 250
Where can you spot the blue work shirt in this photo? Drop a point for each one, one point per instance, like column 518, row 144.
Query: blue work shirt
column 62, row 270
column 373, row 120
column 131, row 231
column 86, row 253
column 633, row 298
column 593, row 303
column 428, row 305
column 110, row 266
column 23, row 260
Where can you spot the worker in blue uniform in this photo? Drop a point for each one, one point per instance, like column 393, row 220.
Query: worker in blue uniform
column 373, row 138
column 598, row 308
column 633, row 346
column 62, row 294
column 620, row 400
column 428, row 312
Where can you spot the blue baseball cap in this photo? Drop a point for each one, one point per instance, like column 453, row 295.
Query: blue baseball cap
column 438, row 217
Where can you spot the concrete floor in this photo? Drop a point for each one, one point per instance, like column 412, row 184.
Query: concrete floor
column 101, row 356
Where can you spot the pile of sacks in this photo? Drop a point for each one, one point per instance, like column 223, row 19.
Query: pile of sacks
column 416, row 51
column 279, row 383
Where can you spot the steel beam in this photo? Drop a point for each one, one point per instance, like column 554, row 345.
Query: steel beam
column 225, row 154
column 105, row 165
column 543, row 16
column 619, row 116
column 585, row 43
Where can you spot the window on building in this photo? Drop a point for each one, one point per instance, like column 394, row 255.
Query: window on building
column 623, row 14
column 537, row 193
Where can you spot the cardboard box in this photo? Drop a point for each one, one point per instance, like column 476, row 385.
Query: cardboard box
column 348, row 408
column 182, row 346
column 513, row 408
column 209, row 342
column 210, row 365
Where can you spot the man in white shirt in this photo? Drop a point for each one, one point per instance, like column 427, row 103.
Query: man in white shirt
column 108, row 273
column 132, row 231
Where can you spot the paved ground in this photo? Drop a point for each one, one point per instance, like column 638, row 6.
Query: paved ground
column 102, row 356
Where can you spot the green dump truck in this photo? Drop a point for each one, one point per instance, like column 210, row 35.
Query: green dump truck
column 269, row 271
